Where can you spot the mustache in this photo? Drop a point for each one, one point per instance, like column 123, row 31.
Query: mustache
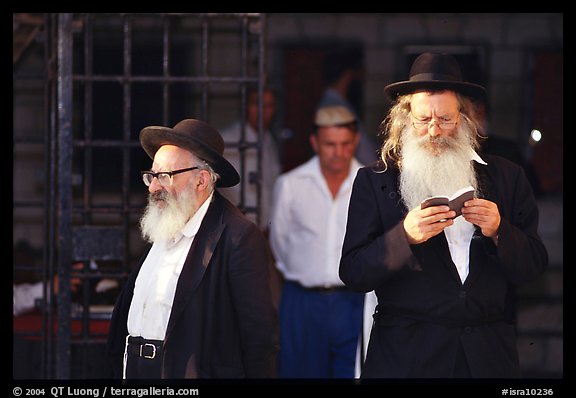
column 438, row 140
column 437, row 143
column 158, row 196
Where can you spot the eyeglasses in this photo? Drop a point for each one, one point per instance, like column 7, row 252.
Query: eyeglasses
column 164, row 177
column 426, row 124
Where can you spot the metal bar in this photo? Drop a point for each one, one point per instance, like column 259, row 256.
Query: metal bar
column 108, row 209
column 106, row 143
column 165, row 69
column 214, row 15
column 64, row 204
column 168, row 79
column 243, row 107
column 88, row 117
column 126, row 143
column 88, row 167
column 261, row 83
column 127, row 122
column 51, row 198
column 204, row 70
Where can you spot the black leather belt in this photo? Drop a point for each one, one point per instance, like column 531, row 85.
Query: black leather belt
column 327, row 289
column 144, row 348
column 323, row 289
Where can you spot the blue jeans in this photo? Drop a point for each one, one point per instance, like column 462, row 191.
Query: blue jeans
column 319, row 332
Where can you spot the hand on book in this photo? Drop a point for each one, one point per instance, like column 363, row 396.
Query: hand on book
column 455, row 202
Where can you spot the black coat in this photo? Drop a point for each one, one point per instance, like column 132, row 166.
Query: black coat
column 223, row 323
column 424, row 311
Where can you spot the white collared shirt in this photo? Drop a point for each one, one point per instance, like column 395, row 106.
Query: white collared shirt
column 459, row 235
column 156, row 282
column 308, row 225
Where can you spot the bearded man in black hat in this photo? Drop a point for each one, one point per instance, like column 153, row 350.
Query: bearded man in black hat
column 445, row 283
column 198, row 304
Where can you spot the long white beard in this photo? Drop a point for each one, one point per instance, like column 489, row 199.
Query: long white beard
column 438, row 170
column 164, row 222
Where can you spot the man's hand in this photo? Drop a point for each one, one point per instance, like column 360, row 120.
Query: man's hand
column 484, row 214
column 75, row 283
column 420, row 225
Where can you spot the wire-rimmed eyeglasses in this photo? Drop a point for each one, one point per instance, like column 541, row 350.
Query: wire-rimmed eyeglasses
column 426, row 124
column 164, row 177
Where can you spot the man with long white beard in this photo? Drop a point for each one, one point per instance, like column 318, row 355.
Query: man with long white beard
column 198, row 305
column 445, row 284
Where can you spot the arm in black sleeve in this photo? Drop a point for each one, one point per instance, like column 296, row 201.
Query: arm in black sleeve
column 375, row 244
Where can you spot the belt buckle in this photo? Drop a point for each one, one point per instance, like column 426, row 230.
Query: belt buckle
column 153, row 351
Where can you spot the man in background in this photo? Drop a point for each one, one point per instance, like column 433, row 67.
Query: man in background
column 320, row 319
column 247, row 160
column 270, row 166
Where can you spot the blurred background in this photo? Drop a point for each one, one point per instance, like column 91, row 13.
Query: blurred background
column 85, row 84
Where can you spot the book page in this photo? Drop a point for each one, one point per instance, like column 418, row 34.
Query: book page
column 455, row 202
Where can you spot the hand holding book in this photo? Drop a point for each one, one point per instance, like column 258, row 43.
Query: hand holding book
column 455, row 202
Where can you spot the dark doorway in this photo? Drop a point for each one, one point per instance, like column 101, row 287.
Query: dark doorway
column 304, row 87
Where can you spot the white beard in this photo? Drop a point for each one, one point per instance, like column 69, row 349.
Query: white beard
column 432, row 171
column 164, row 222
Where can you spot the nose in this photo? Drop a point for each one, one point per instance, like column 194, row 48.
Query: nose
column 434, row 129
column 338, row 151
column 154, row 185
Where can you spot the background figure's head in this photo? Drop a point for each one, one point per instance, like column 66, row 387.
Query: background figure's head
column 481, row 116
column 335, row 138
column 343, row 71
column 268, row 108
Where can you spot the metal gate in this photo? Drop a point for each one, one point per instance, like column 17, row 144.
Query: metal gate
column 84, row 85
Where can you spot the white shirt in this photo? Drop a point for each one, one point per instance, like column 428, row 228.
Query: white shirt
column 308, row 224
column 459, row 235
column 156, row 282
column 270, row 170
column 25, row 296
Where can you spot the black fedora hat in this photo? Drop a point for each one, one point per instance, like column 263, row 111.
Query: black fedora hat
column 199, row 138
column 434, row 72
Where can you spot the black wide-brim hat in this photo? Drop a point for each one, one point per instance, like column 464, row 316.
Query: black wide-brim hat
column 199, row 138
column 434, row 72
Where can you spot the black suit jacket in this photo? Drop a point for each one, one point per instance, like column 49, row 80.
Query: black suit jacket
column 424, row 311
column 223, row 323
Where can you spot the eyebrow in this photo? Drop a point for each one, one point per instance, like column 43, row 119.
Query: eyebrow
column 445, row 116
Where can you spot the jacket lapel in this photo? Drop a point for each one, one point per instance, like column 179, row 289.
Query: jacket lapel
column 440, row 245
column 198, row 259
column 476, row 245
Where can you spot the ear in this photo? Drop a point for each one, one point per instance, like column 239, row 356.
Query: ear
column 357, row 138
column 203, row 180
column 314, row 142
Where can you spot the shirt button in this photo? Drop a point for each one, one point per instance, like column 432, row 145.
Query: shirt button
column 462, row 294
column 468, row 329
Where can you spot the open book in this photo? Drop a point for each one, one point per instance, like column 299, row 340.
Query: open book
column 455, row 202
